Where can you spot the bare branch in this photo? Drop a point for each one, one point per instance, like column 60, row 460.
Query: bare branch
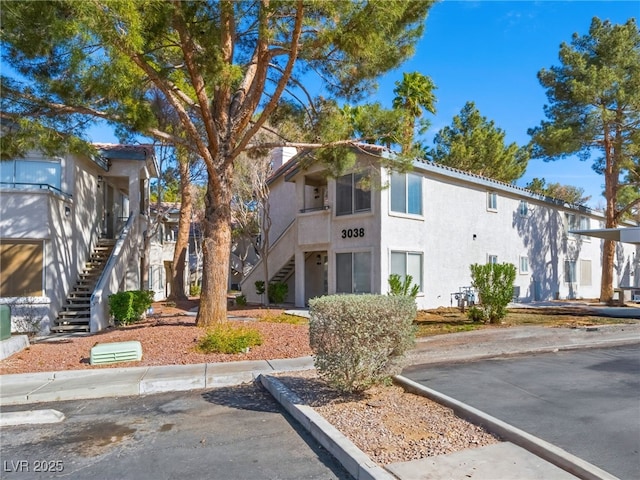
column 271, row 105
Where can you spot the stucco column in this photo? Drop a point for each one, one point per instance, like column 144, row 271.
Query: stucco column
column 299, row 279
column 134, row 195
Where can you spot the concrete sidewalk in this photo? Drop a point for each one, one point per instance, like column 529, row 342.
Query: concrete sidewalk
column 507, row 461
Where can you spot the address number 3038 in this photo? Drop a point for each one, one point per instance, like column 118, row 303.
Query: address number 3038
column 352, row 232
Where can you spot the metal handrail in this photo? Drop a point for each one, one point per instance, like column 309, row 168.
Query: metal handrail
column 314, row 209
column 41, row 186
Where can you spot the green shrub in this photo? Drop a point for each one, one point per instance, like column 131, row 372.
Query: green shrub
column 359, row 340
column 225, row 338
column 475, row 314
column 259, row 287
column 494, row 283
column 283, row 318
column 128, row 307
column 399, row 287
column 195, row 290
column 278, row 292
column 241, row 300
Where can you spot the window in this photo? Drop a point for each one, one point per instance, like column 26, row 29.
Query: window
column 407, row 263
column 570, row 271
column 493, row 259
column 524, row 208
column 353, row 271
column 22, row 268
column 350, row 196
column 492, row 201
column 524, row 265
column 406, row 193
column 585, row 273
column 30, row 172
column 576, row 222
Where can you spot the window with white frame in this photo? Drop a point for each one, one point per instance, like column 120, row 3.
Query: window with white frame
column 25, row 173
column 523, row 209
column 351, row 196
column 524, row 264
column 492, row 259
column 492, row 201
column 406, row 193
column 570, row 271
column 353, row 272
column 407, row 263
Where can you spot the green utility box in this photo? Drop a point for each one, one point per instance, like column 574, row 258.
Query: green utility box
column 5, row 322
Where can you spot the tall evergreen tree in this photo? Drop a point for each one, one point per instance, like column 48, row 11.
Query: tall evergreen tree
column 566, row 193
column 594, row 108
column 474, row 144
column 223, row 66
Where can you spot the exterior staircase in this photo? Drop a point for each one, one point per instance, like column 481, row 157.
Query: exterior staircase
column 76, row 313
column 285, row 272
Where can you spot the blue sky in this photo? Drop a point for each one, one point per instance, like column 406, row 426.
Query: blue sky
column 490, row 52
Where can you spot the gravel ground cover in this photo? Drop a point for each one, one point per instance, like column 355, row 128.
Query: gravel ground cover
column 387, row 423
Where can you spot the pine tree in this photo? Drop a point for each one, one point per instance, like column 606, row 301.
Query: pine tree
column 474, row 144
column 594, row 108
column 224, row 67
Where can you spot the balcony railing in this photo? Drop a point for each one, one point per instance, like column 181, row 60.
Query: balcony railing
column 314, row 209
column 40, row 186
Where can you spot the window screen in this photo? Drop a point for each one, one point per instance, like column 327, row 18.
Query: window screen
column 22, row 269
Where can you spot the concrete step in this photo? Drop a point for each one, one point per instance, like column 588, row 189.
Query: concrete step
column 70, row 328
column 74, row 313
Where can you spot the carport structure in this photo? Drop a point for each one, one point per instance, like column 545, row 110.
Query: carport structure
column 625, row 235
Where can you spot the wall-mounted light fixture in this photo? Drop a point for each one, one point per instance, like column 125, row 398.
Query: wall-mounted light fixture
column 318, row 259
column 475, row 236
column 67, row 211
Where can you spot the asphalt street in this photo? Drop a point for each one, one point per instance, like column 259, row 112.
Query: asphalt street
column 586, row 402
column 196, row 434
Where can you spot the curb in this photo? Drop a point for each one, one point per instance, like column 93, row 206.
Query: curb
column 22, row 389
column 545, row 450
column 31, row 417
column 416, row 360
column 354, row 460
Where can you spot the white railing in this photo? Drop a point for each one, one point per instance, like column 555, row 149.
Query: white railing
column 280, row 252
column 112, row 275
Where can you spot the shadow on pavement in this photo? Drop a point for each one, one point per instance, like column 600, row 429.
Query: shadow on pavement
column 254, row 397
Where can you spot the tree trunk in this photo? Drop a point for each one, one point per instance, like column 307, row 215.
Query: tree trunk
column 182, row 240
column 611, row 173
column 216, row 248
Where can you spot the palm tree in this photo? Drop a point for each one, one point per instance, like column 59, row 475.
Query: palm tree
column 413, row 94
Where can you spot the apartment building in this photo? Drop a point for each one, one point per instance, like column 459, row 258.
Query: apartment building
column 348, row 234
column 72, row 232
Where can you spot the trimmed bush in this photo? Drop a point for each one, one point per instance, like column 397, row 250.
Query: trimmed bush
column 241, row 300
column 194, row 290
column 128, row 307
column 225, row 338
column 494, row 283
column 359, row 340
